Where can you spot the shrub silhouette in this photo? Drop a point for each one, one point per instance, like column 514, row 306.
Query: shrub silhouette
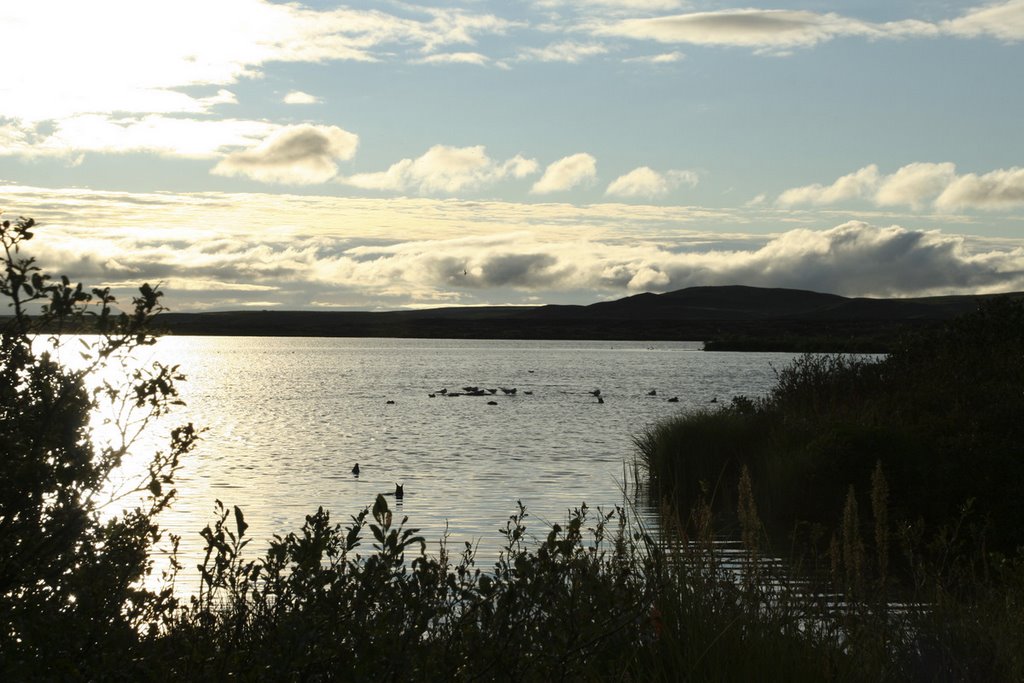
column 72, row 562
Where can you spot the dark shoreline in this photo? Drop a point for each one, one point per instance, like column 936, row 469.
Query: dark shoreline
column 731, row 318
column 867, row 336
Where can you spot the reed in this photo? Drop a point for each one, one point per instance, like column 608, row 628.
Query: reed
column 926, row 581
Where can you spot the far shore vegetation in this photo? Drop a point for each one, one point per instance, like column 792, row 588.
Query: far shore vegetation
column 871, row 511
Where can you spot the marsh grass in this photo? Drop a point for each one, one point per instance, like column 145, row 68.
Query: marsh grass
column 942, row 415
column 890, row 488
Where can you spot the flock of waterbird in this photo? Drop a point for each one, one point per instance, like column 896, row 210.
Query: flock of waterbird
column 399, row 493
column 513, row 391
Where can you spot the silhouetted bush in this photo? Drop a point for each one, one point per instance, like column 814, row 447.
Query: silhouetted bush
column 72, row 563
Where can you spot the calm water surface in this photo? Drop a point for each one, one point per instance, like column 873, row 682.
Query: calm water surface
column 287, row 418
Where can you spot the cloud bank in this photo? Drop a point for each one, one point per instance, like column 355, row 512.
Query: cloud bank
column 228, row 251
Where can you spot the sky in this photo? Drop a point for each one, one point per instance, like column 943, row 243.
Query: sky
column 388, row 155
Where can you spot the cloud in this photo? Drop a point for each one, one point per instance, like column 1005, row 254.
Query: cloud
column 663, row 58
column 568, row 51
column 999, row 189
column 74, row 71
column 851, row 186
column 632, row 5
column 914, row 184
column 567, row 173
column 646, row 182
column 1003, row 20
column 299, row 97
column 163, row 135
column 444, row 170
column 855, row 259
column 917, row 185
column 217, row 250
column 742, row 27
column 771, row 31
column 456, row 58
column 293, row 155
column 778, row 31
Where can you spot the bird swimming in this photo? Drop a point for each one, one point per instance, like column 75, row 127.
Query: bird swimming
column 674, row 399
column 399, row 491
column 652, row 392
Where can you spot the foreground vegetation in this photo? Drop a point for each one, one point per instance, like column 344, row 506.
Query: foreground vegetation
column 898, row 478
column 940, row 415
column 594, row 599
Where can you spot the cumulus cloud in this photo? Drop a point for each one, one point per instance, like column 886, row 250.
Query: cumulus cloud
column 917, row 185
column 299, row 97
column 850, row 186
column 567, row 173
column 914, row 184
column 444, row 170
column 995, row 190
column 293, row 155
column 646, row 182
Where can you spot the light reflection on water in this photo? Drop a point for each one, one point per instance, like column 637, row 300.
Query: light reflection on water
column 288, row 417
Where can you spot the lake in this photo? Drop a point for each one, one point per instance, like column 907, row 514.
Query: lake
column 287, row 418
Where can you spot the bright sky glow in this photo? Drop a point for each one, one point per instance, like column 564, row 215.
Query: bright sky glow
column 463, row 152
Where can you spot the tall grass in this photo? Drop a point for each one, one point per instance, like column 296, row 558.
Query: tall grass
column 892, row 489
column 942, row 414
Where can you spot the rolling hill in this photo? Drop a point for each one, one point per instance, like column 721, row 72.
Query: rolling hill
column 736, row 316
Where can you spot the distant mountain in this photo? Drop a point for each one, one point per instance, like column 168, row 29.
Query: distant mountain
column 763, row 317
